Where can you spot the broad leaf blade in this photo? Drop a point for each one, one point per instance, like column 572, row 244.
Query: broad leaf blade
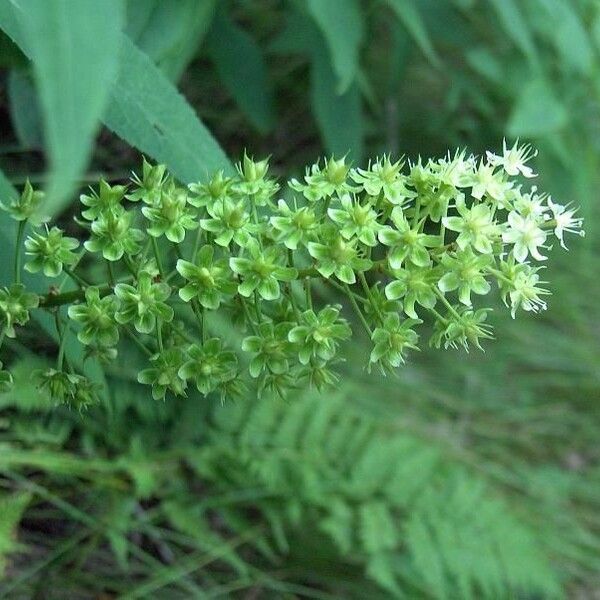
column 341, row 22
column 537, row 112
column 146, row 110
column 241, row 67
column 74, row 48
column 411, row 19
column 169, row 32
column 339, row 116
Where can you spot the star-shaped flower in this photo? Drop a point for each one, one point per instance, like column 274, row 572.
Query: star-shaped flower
column 207, row 279
column 49, row 252
column 262, row 270
column 143, row 303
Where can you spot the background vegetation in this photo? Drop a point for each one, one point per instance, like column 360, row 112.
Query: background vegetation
column 468, row 475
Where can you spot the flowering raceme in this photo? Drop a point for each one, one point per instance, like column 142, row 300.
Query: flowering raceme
column 403, row 242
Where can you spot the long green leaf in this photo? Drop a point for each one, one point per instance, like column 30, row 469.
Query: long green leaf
column 537, row 112
column 240, row 64
column 25, row 111
column 74, row 48
column 169, row 32
column 147, row 111
column 411, row 19
column 339, row 116
column 514, row 24
column 341, row 22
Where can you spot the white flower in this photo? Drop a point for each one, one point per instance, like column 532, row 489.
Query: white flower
column 456, row 171
column 526, row 235
column 513, row 160
column 531, row 204
column 526, row 293
column 565, row 220
column 485, row 181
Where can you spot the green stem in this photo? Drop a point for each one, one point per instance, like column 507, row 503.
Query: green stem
column 308, row 291
column 20, row 234
column 444, row 300
column 367, row 289
column 137, row 342
column 357, row 309
column 247, row 314
column 159, row 337
column 130, row 266
column 111, row 273
column 62, row 336
column 157, row 257
column 199, row 317
column 341, row 288
column 2, row 336
column 81, row 283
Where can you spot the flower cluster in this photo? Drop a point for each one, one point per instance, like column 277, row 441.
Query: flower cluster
column 403, row 242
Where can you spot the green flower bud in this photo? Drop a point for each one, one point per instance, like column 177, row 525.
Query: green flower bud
column 163, row 375
column 15, row 304
column 27, row 206
column 209, row 366
column 262, row 271
column 207, row 279
column 144, row 303
column 97, row 318
column 50, row 252
column 113, row 235
column 108, row 200
column 318, row 334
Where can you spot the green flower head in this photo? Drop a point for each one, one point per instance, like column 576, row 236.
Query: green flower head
column 414, row 285
column 465, row 272
column 295, row 227
column 207, row 279
column 108, row 199
column 49, row 252
column 144, row 303
column 230, row 222
column 170, row 215
column 97, row 319
column 254, row 181
column 318, row 334
column 270, row 348
column 76, row 391
column 163, row 375
column 407, row 244
column 206, row 194
column 15, row 304
column 356, row 220
column 262, row 271
column 113, row 235
column 209, row 366
column 325, row 182
column 476, row 227
column 384, row 177
column 149, row 187
column 26, row 207
column 392, row 340
column 338, row 256
column 464, row 327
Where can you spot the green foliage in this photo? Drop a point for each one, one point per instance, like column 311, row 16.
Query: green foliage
column 463, row 478
column 75, row 60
